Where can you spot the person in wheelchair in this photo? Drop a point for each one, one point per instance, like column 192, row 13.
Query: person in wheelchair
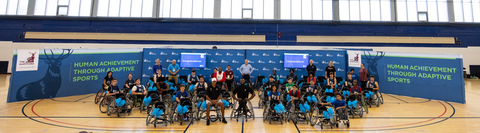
column 162, row 87
column 311, row 78
column 138, row 91
column 276, row 78
column 289, row 85
column 292, row 76
column 312, row 88
column 271, row 82
column 274, row 95
column 355, row 90
column 294, row 95
column 182, row 98
column 192, row 78
column 201, row 85
column 129, row 83
column 331, row 80
column 373, row 84
column 340, row 107
column 349, row 80
column 112, row 89
column 240, row 94
column 213, row 98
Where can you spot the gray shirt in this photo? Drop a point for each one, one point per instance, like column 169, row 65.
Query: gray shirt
column 246, row 69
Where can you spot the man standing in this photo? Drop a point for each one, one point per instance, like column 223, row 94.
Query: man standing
column 242, row 91
column 311, row 68
column 229, row 78
column 246, row 69
column 214, row 98
column 157, row 68
column 173, row 69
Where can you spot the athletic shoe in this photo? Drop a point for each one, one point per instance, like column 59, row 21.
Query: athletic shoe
column 224, row 121
column 208, row 122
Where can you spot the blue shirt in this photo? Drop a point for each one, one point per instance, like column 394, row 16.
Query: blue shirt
column 181, row 95
column 174, row 68
column 337, row 103
column 246, row 69
column 156, row 67
column 356, row 77
column 274, row 95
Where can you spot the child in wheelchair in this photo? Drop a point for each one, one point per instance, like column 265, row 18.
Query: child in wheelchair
column 118, row 101
column 183, row 106
column 275, row 110
column 138, row 92
column 340, row 110
column 159, row 114
column 267, row 87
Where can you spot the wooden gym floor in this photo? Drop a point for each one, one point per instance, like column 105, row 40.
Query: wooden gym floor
column 398, row 114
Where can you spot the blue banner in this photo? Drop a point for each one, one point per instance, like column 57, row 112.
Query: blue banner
column 72, row 72
column 428, row 76
column 214, row 59
column 265, row 61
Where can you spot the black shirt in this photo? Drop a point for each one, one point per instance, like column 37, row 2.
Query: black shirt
column 330, row 69
column 293, row 77
column 270, row 84
column 108, row 80
column 242, row 91
column 213, row 92
column 113, row 89
column 312, row 68
column 130, row 83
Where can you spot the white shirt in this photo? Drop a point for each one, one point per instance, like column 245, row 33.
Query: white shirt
column 220, row 76
column 134, row 88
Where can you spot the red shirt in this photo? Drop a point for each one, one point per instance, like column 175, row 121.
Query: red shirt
column 229, row 73
column 298, row 94
column 314, row 80
column 363, row 74
column 358, row 88
column 221, row 76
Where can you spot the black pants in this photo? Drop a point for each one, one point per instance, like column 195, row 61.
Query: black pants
column 229, row 84
column 242, row 105
column 246, row 77
column 364, row 84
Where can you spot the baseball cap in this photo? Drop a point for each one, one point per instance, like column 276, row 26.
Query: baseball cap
column 214, row 79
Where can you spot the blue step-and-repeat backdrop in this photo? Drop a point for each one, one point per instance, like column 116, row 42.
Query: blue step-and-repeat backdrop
column 215, row 58
column 265, row 61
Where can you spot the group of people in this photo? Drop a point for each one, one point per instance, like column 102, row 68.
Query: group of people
column 243, row 93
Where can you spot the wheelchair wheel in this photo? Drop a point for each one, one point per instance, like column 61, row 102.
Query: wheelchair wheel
column 364, row 104
column 103, row 105
column 314, row 117
column 100, row 94
column 111, row 107
column 380, row 97
column 377, row 101
column 265, row 113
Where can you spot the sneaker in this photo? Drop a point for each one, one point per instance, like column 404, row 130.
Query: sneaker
column 224, row 121
column 208, row 122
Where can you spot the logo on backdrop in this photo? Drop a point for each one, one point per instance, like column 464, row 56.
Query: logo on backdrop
column 260, row 61
column 152, row 53
column 150, row 68
column 228, row 54
column 207, row 69
column 315, row 62
column 324, row 62
column 218, row 54
column 162, row 53
column 339, row 55
column 318, row 55
column 281, row 61
column 251, row 62
column 48, row 86
column 169, row 60
column 213, row 61
column 183, row 68
column 238, row 68
column 329, row 55
column 340, row 70
column 318, row 69
column 236, row 76
column 253, row 54
column 281, row 76
column 255, row 69
column 224, row 61
column 146, row 60
column 207, row 53
column 271, row 62
column 275, row 54
column 286, row 69
column 240, row 54
column 266, row 69
column 173, row 53
column 234, row 61
column 276, row 69
column 354, row 58
column 164, row 68
column 334, row 62
column 265, row 54
column 372, row 61
column 145, row 76
column 27, row 59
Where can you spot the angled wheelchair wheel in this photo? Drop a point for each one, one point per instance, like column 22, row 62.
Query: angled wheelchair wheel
column 111, row 108
column 99, row 95
column 103, row 105
column 314, row 117
column 381, row 97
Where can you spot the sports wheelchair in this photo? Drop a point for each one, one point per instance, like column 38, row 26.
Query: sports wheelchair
column 119, row 104
column 271, row 114
column 159, row 113
column 237, row 113
column 181, row 114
